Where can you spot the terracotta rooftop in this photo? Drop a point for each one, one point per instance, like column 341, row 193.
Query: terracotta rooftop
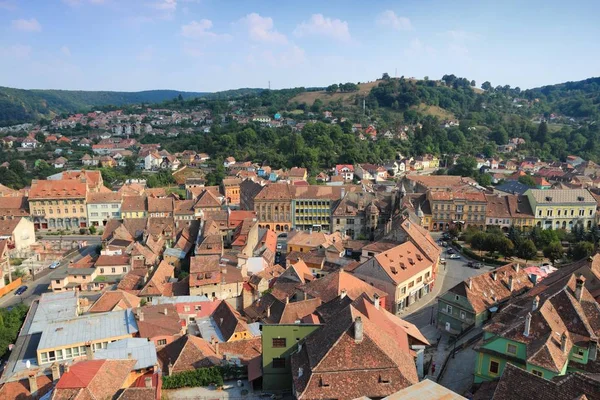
column 158, row 320
column 63, row 189
column 334, row 284
column 115, row 300
column 187, row 353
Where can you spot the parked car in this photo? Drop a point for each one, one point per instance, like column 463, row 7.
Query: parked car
column 450, row 251
column 54, row 265
column 282, row 235
column 442, row 260
column 21, row 290
column 477, row 265
column 454, row 256
column 279, row 246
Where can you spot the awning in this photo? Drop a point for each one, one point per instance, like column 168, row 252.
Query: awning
column 255, row 368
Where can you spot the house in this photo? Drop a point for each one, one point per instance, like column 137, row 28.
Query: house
column 115, row 265
column 472, row 301
column 229, row 324
column 273, row 207
column 297, row 174
column 114, row 301
column 103, row 206
column 278, row 343
column 533, row 387
column 549, row 332
column 403, row 272
column 159, row 324
column 187, row 353
column 361, row 214
column 562, row 208
column 229, row 161
column 152, row 161
column 83, row 335
column 94, row 379
column 209, row 278
column 134, row 207
column 160, row 283
column 374, row 348
column 29, row 143
column 346, row 171
column 231, row 190
column 18, row 232
column 456, row 208
column 58, row 204
column 60, row 163
column 189, row 308
column 160, row 207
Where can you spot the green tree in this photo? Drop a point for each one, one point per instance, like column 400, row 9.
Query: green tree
column 582, row 250
column 553, row 251
column 316, row 106
column 130, row 165
column 527, row 250
column 332, row 88
column 473, row 83
column 485, row 180
column 506, row 247
column 486, row 85
column 479, row 241
column 527, row 180
column 465, row 166
column 40, row 137
column 385, row 76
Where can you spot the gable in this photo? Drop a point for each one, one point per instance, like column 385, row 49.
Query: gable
column 372, row 269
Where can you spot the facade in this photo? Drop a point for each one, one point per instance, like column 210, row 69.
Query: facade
column 361, row 214
column 403, row 272
column 550, row 334
column 311, row 207
column 278, row 343
column 273, row 207
column 231, row 190
column 471, row 302
column 460, row 209
column 562, row 208
column 346, row 171
column 18, row 232
column 209, row 278
column 58, row 205
column 103, row 206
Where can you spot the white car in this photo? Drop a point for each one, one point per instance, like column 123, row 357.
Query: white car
column 54, row 265
column 279, row 246
column 442, row 260
column 454, row 256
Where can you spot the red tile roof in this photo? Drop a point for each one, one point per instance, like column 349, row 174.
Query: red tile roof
column 57, row 189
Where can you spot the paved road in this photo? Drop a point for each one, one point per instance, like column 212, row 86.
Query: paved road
column 42, row 280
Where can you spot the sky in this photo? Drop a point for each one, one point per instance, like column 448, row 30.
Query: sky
column 212, row 45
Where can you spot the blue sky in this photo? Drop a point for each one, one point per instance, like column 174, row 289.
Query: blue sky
column 210, row 45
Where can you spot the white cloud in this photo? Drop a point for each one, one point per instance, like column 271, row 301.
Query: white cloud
column 65, row 51
column 389, row 18
column 146, row 54
column 27, row 25
column 261, row 29
column 320, row 25
column 17, row 51
column 201, row 30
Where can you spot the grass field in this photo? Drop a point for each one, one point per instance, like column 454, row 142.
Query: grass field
column 434, row 111
column 310, row 97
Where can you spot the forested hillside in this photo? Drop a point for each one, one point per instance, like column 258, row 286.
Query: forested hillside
column 18, row 105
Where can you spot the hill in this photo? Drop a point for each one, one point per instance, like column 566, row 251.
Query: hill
column 347, row 98
column 575, row 99
column 20, row 105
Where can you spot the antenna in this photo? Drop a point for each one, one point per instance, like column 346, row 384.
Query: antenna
column 364, row 106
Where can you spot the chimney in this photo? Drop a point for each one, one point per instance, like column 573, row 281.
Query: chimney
column 66, row 367
column 536, row 303
column 358, row 330
column 55, row 371
column 510, row 283
column 170, row 371
column 563, row 342
column 130, row 356
column 300, row 372
column 140, row 315
column 517, row 267
column 287, row 299
column 33, row 387
column 305, row 296
column 343, row 294
column 470, row 283
column 148, row 381
column 593, row 350
column 376, row 302
column 89, row 354
column 166, row 312
column 527, row 325
column 494, row 275
column 579, row 287
column 217, row 348
column 268, row 311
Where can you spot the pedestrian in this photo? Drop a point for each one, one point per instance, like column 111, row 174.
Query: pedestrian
column 433, row 368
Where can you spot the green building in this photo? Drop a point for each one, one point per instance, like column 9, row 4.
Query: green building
column 471, row 302
column 278, row 344
column 551, row 334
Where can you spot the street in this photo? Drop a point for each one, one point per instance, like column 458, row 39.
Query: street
column 91, row 239
column 42, row 280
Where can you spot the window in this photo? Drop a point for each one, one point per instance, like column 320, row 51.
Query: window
column 279, row 342
column 494, row 367
column 279, row 363
column 58, row 281
column 411, row 284
column 124, row 269
column 75, row 351
column 449, row 309
column 419, row 279
column 162, row 342
column 68, row 353
column 44, row 357
column 101, row 270
column 403, row 290
column 579, row 353
column 197, row 307
column 113, row 270
column 463, row 315
column 186, row 308
column 537, row 373
column 511, row 349
column 51, row 356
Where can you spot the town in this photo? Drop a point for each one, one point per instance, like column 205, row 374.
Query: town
column 143, row 273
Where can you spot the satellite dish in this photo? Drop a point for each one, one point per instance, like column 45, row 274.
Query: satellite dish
column 28, row 364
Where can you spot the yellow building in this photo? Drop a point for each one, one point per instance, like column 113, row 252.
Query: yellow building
column 58, row 204
column 134, row 207
column 460, row 209
column 562, row 208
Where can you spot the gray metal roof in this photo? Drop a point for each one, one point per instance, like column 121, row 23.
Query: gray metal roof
column 254, row 329
column 93, row 327
column 173, row 252
column 53, row 307
column 563, row 196
column 513, row 187
column 141, row 350
column 208, row 329
column 178, row 299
